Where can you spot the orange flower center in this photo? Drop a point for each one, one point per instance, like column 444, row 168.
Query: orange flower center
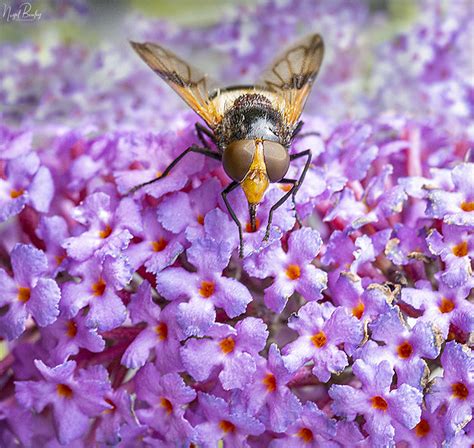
column 248, row 227
column 460, row 250
column 319, row 339
column 106, row 232
column 460, row 391
column 200, row 219
column 59, row 259
column 405, row 350
column 207, row 289
column 468, row 206
column 379, row 403
column 71, row 328
column 159, row 245
column 227, row 345
column 286, row 187
column 162, row 331
column 98, row 288
column 64, row 390
column 306, row 435
column 24, row 294
column 358, row 310
column 270, row 382
column 226, row 426
column 165, row 403
column 422, row 428
column 16, row 193
column 293, row 272
column 446, row 305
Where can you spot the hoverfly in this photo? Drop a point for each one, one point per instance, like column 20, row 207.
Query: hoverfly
column 251, row 126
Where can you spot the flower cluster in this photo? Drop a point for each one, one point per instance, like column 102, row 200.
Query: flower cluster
column 130, row 320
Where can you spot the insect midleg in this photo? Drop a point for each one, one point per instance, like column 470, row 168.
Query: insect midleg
column 193, row 148
column 201, row 131
column 296, row 133
column 232, row 186
column 294, row 189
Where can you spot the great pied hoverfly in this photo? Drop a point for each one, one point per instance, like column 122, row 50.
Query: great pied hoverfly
column 251, row 126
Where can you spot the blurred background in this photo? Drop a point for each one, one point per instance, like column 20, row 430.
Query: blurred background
column 69, row 63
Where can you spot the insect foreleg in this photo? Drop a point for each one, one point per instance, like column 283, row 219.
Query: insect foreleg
column 298, row 135
column 294, row 189
column 232, row 186
column 193, row 148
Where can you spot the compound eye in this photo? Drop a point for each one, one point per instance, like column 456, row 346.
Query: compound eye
column 237, row 159
column 277, row 160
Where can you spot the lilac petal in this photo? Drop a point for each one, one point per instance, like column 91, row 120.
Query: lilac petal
column 12, row 207
column 70, row 422
column 106, row 312
column 238, row 372
column 13, row 322
column 405, row 404
column 8, row 287
column 232, row 295
column 141, row 307
column 41, row 190
column 196, row 317
column 44, row 302
column 195, row 352
column 176, row 283
column 217, row 255
column 276, row 296
column 253, row 334
column 138, row 351
column 304, row 245
column 28, row 263
column 348, row 402
column 311, row 283
column 174, row 212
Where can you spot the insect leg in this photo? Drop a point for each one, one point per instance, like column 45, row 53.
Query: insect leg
column 294, row 189
column 232, row 186
column 296, row 133
column 193, row 148
column 201, row 131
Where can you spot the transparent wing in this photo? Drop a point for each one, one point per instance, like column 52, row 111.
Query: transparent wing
column 193, row 86
column 292, row 74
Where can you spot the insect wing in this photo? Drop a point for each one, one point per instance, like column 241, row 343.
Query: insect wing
column 292, row 75
column 193, row 86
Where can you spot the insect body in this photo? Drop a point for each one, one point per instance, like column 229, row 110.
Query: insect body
column 252, row 127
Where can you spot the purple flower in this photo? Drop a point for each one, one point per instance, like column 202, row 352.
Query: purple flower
column 230, row 351
column 66, row 337
column 118, row 418
column 98, row 287
column 110, row 227
column 166, row 397
column 26, row 183
column 161, row 333
column 455, row 389
column 73, row 396
column 185, row 212
column 268, row 396
column 428, row 431
column 403, row 348
column 322, row 329
column 158, row 248
column 455, row 207
column 445, row 309
column 292, row 270
column 221, row 422
column 313, row 429
column 29, row 292
column 456, row 248
column 205, row 289
column 379, row 405
column 53, row 231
